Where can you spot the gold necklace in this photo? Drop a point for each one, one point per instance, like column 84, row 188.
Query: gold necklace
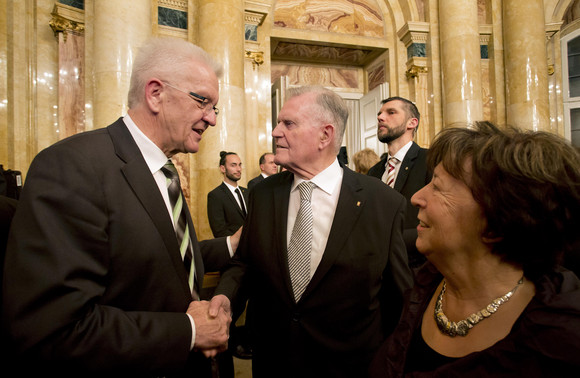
column 462, row 327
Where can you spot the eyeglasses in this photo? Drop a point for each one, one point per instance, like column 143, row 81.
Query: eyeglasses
column 204, row 103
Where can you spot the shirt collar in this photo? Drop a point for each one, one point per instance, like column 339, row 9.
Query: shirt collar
column 231, row 187
column 154, row 157
column 402, row 151
column 327, row 180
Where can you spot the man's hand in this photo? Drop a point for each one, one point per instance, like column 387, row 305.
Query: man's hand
column 235, row 239
column 211, row 331
column 220, row 303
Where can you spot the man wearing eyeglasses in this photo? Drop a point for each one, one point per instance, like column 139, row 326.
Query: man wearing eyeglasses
column 103, row 267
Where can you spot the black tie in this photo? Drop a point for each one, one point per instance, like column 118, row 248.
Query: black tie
column 241, row 201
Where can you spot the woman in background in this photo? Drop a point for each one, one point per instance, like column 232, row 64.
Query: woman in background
column 364, row 160
column 500, row 211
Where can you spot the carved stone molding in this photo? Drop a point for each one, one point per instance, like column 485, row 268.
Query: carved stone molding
column 414, row 32
column 257, row 57
column 173, row 4
column 414, row 71
column 255, row 11
column 66, row 19
column 552, row 28
column 485, row 32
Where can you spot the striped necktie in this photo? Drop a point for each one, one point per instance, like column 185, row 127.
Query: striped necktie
column 181, row 227
column 301, row 242
column 390, row 179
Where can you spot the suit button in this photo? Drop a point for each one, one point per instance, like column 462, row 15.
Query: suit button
column 296, row 317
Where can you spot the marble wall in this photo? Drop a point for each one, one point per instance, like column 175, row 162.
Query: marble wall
column 362, row 17
column 52, row 87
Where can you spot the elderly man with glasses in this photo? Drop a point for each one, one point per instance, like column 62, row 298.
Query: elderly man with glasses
column 103, row 267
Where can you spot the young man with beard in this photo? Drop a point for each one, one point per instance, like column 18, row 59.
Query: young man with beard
column 404, row 168
column 226, row 204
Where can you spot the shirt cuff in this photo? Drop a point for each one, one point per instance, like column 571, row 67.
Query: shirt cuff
column 192, row 331
column 230, row 250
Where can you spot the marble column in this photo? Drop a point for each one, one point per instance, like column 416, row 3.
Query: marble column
column 460, row 61
column 120, row 27
column 221, row 34
column 526, row 64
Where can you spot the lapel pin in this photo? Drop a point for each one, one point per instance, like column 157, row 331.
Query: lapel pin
column 358, row 203
column 406, row 168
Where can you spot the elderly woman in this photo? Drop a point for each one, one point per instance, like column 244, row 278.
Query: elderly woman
column 495, row 220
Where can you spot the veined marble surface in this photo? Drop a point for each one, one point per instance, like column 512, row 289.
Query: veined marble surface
column 362, row 17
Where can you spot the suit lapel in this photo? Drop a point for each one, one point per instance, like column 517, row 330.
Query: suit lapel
column 348, row 210
column 406, row 166
column 281, row 199
column 228, row 193
column 145, row 188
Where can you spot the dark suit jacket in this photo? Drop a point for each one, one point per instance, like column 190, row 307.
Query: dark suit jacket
column 224, row 214
column 94, row 281
column 354, row 298
column 413, row 175
column 254, row 181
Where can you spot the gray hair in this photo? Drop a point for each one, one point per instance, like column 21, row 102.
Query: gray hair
column 332, row 108
column 164, row 58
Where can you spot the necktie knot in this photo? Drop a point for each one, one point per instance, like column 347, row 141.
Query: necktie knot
column 306, row 189
column 170, row 171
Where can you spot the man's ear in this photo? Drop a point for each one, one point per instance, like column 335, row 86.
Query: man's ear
column 412, row 123
column 222, row 169
column 326, row 135
column 154, row 94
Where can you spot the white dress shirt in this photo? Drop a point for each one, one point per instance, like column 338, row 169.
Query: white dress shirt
column 233, row 190
column 400, row 155
column 155, row 160
column 324, row 201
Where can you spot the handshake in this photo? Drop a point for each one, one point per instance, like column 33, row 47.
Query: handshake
column 212, row 324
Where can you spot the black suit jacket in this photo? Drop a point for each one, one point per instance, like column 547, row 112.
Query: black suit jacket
column 224, row 214
column 413, row 175
column 254, row 181
column 94, row 281
column 354, row 298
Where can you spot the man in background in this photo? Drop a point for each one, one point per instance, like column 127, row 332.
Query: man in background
column 227, row 203
column 404, row 168
column 267, row 168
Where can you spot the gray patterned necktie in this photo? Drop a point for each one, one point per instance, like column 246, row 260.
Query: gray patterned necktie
column 301, row 242
column 181, row 227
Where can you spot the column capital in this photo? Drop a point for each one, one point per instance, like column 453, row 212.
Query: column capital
column 415, row 67
column 66, row 19
column 413, row 32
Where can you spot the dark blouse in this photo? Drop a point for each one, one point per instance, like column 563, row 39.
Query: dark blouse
column 544, row 341
column 421, row 357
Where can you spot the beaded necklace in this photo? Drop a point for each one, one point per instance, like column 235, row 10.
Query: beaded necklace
column 462, row 327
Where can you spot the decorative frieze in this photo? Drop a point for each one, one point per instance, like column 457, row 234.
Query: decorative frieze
column 66, row 19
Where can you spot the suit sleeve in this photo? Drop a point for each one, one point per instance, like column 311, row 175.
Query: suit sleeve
column 215, row 254
column 398, row 277
column 57, row 267
column 216, row 215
